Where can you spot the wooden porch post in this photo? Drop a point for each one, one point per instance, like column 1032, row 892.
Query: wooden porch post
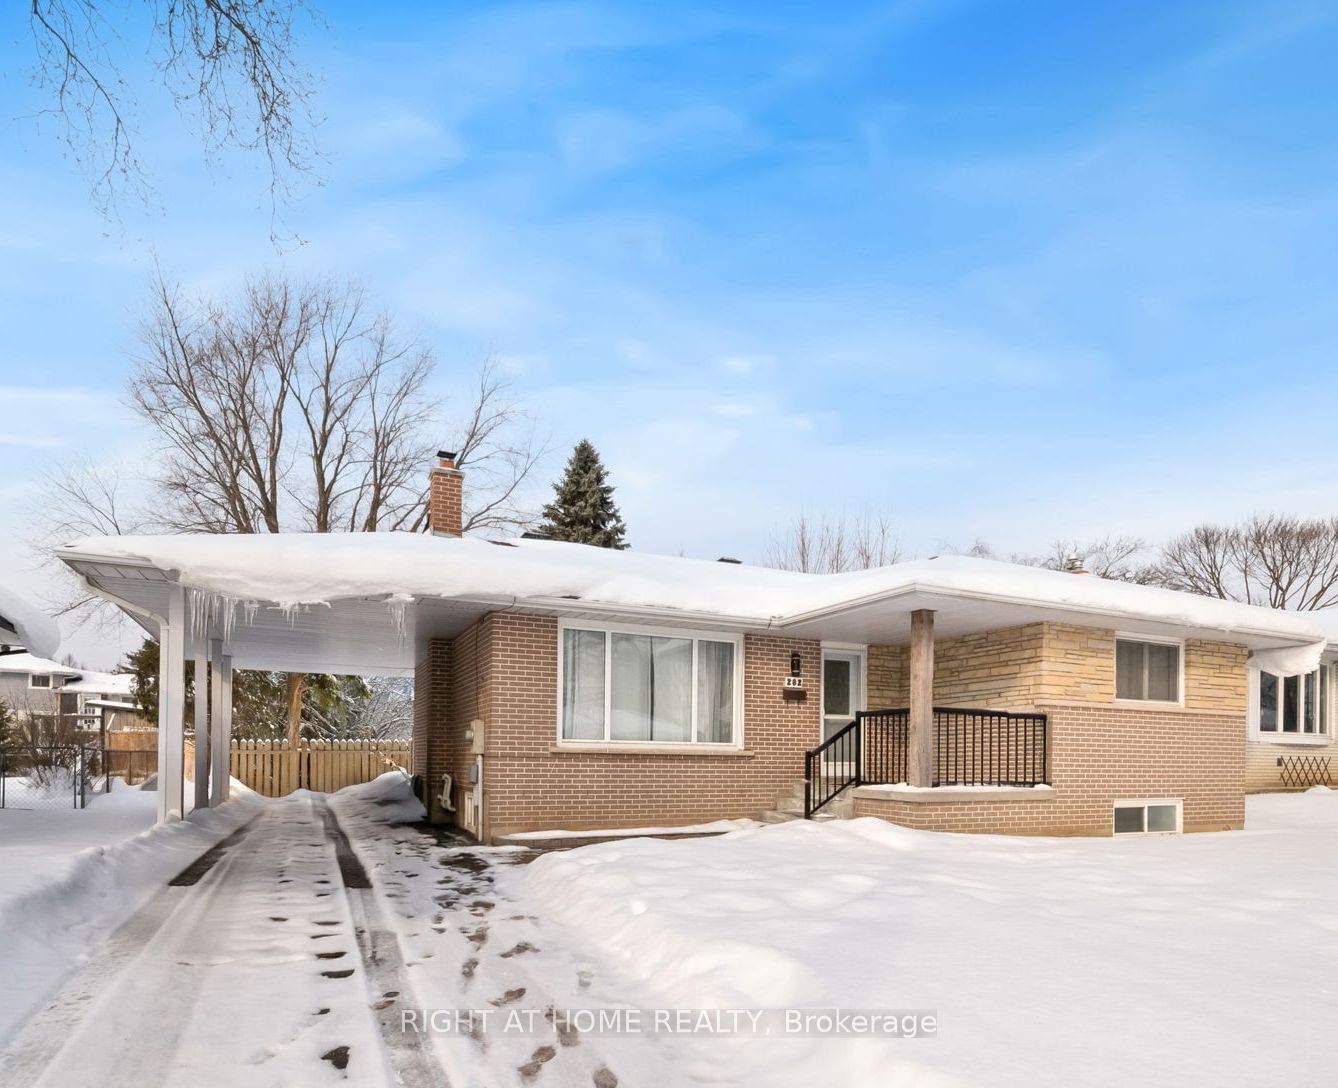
column 200, row 719
column 920, row 741
column 171, row 705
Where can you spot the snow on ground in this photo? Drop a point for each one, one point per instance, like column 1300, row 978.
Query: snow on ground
column 1194, row 959
column 71, row 876
column 715, row 827
column 470, row 949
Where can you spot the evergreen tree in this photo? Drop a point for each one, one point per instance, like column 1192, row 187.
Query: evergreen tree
column 9, row 734
column 583, row 510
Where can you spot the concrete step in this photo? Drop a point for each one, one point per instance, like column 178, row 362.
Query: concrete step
column 774, row 816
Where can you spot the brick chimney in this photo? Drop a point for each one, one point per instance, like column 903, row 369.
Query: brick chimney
column 445, row 511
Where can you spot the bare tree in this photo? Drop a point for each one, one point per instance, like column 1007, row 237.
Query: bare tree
column 230, row 67
column 496, row 441
column 1114, row 557
column 296, row 407
column 830, row 544
column 1274, row 560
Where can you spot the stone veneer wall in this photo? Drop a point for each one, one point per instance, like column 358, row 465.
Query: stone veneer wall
column 1019, row 668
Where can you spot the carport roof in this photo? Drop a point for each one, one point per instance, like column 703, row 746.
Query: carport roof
column 368, row 602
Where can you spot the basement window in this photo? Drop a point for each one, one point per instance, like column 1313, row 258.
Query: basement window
column 1148, row 817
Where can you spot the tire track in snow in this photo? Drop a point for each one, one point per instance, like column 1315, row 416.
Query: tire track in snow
column 387, row 976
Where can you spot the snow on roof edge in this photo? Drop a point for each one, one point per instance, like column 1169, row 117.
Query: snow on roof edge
column 33, row 629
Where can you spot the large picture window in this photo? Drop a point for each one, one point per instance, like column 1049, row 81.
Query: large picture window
column 1148, row 671
column 631, row 686
column 1295, row 705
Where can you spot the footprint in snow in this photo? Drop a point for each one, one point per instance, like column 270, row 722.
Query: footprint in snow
column 523, row 946
column 532, row 1068
column 338, row 1057
column 509, row 998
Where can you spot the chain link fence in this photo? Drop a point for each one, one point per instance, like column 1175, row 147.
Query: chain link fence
column 50, row 776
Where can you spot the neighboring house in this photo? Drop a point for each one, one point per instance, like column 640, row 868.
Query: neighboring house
column 83, row 698
column 30, row 685
column 563, row 686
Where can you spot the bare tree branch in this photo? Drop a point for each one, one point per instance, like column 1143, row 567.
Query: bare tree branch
column 832, row 544
column 230, row 66
column 1274, row 560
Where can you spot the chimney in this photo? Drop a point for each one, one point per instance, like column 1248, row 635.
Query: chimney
column 445, row 511
column 1073, row 564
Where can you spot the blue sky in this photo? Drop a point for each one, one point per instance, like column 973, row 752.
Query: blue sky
column 1017, row 271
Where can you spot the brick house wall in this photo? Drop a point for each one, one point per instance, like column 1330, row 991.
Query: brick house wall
column 504, row 671
column 1100, row 750
column 1100, row 754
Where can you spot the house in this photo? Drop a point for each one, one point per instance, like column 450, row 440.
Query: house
column 29, row 685
column 84, row 699
column 562, row 686
column 1290, row 721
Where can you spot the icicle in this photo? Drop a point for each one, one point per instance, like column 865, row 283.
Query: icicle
column 398, row 606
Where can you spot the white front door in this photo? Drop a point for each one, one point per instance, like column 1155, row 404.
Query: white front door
column 842, row 688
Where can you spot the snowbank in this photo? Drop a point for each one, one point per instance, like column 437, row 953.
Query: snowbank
column 1178, row 960
column 62, row 897
column 715, row 827
column 292, row 569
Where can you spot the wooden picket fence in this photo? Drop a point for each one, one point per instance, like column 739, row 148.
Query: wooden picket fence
column 274, row 769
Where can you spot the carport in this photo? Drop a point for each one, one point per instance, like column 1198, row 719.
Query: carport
column 217, row 634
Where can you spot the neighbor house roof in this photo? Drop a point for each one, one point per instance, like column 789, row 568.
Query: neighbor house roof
column 31, row 663
column 101, row 683
column 330, row 589
column 22, row 623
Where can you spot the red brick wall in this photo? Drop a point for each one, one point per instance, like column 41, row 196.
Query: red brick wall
column 504, row 670
column 1101, row 753
column 431, row 691
column 445, row 511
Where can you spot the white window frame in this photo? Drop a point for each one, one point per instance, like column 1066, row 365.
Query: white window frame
column 50, row 684
column 1277, row 736
column 1143, row 803
column 610, row 629
column 1156, row 640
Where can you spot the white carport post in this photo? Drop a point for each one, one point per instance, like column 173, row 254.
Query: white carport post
column 201, row 722
column 221, row 714
column 171, row 705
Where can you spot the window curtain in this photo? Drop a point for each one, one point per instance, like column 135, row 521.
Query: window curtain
column 715, row 692
column 583, row 685
column 651, row 688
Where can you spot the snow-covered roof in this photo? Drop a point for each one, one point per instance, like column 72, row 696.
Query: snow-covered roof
column 22, row 623
column 101, row 683
column 31, row 663
column 316, row 575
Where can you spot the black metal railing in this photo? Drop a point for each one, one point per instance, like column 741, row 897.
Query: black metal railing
column 832, row 767
column 886, row 733
column 972, row 747
column 989, row 748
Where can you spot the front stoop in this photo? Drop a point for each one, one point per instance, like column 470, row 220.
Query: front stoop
column 790, row 806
